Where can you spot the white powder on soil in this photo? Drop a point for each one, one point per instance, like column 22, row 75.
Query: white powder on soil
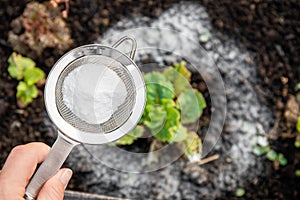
column 93, row 92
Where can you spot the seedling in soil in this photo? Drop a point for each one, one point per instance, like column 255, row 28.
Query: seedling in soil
column 171, row 105
column 204, row 37
column 43, row 27
column 281, row 159
column 23, row 69
column 262, row 147
column 297, row 172
column 259, row 150
column 272, row 155
column 239, row 192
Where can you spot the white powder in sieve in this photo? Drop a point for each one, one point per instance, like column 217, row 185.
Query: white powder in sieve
column 93, row 92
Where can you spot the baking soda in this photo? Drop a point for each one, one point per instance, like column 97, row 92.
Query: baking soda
column 93, row 92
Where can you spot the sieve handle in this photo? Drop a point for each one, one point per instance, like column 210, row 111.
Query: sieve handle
column 56, row 157
column 133, row 47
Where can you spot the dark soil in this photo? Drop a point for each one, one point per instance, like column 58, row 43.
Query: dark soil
column 268, row 28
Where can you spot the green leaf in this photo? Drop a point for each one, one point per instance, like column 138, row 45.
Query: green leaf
column 191, row 103
column 137, row 132
column 163, row 120
column 297, row 172
column 200, row 99
column 281, row 159
column 205, row 37
column 193, row 147
column 297, row 88
column 161, row 115
column 259, row 150
column 15, row 72
column 33, row 75
column 171, row 125
column 157, row 115
column 272, row 155
column 158, row 88
column 298, row 125
column 129, row 138
column 239, row 192
column 181, row 134
column 180, row 76
column 181, row 68
column 18, row 64
column 297, row 140
column 26, row 92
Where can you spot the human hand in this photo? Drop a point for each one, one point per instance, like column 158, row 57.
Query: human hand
column 20, row 166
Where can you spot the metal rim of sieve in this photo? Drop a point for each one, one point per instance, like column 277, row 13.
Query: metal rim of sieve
column 94, row 136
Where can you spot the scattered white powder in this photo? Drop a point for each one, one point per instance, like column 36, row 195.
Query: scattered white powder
column 93, row 92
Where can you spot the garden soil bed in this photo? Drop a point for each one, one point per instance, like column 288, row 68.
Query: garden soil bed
column 270, row 30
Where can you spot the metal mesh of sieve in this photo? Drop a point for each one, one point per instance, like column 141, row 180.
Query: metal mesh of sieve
column 119, row 117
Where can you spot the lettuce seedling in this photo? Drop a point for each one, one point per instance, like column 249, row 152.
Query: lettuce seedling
column 270, row 154
column 24, row 70
column 18, row 65
column 239, row 192
column 171, row 103
column 26, row 92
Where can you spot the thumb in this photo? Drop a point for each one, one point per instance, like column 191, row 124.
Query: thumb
column 54, row 188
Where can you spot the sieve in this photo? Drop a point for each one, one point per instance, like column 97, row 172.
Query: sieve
column 71, row 129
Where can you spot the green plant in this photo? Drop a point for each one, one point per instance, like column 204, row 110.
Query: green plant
column 297, row 172
column 264, row 148
column 204, row 37
column 171, row 104
column 281, row 159
column 240, row 192
column 298, row 125
column 23, row 69
column 43, row 28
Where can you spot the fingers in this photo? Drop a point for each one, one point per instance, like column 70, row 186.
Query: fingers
column 19, row 167
column 54, row 188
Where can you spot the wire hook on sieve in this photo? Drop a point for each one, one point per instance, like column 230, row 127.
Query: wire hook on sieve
column 133, row 47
